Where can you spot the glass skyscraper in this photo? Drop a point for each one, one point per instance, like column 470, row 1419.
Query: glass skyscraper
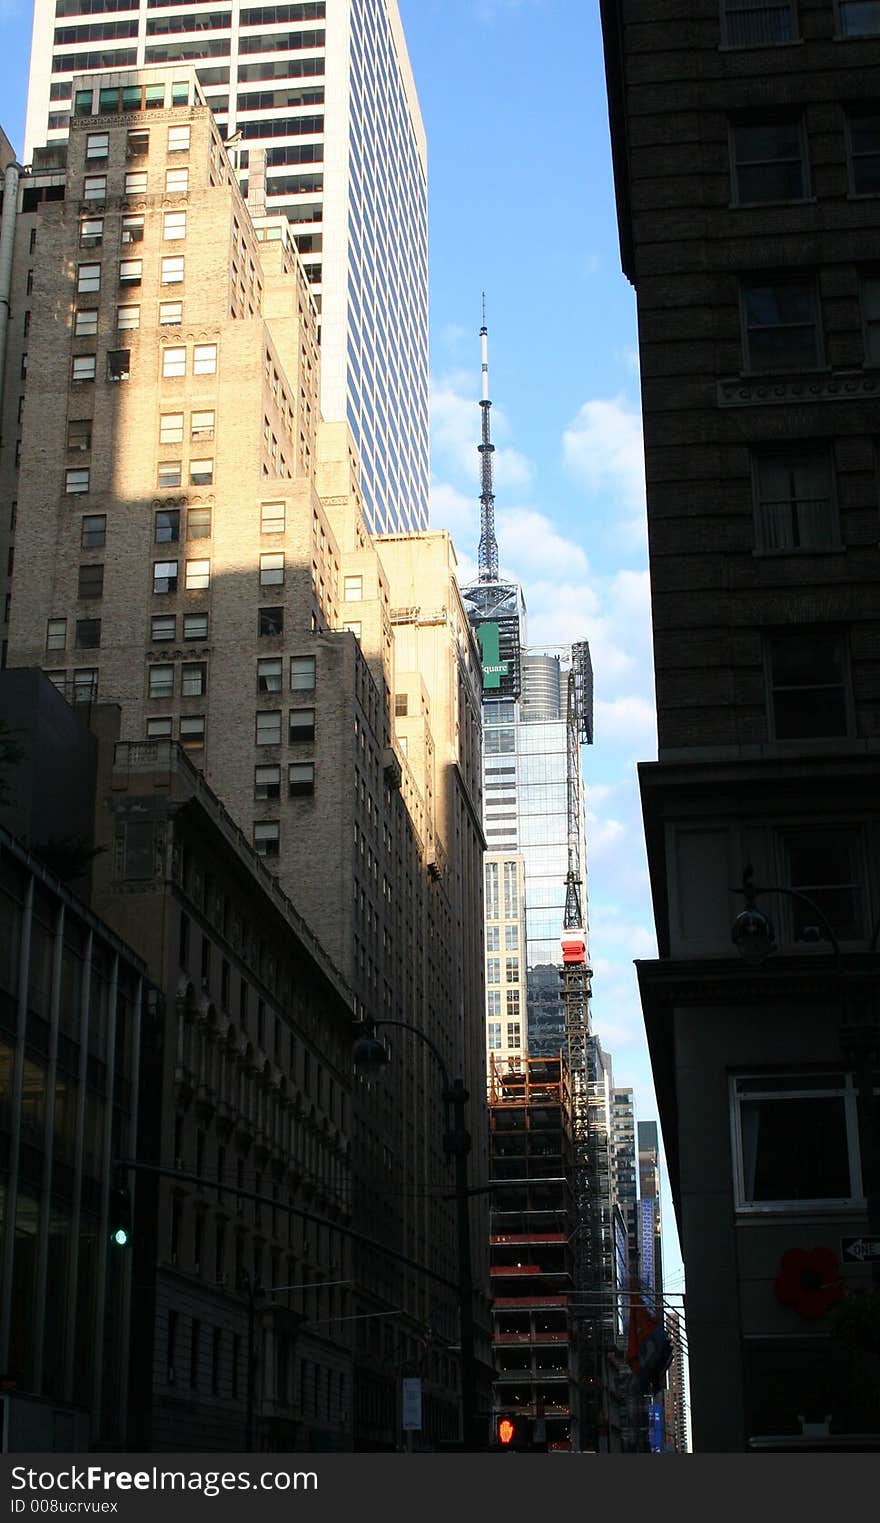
column 317, row 102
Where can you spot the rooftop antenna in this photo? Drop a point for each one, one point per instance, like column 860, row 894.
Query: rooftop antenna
column 487, row 557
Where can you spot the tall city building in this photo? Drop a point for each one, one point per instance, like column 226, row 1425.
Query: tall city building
column 190, row 546
column 318, row 104
column 746, row 146
column 537, row 711
column 623, row 1169
column 650, row 1241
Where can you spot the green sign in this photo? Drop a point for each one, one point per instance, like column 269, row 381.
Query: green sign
column 493, row 667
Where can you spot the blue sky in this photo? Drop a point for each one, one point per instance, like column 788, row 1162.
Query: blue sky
column 522, row 207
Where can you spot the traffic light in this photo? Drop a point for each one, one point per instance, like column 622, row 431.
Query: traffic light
column 512, row 1433
column 120, row 1218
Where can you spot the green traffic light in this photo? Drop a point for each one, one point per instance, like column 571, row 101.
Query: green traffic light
column 120, row 1237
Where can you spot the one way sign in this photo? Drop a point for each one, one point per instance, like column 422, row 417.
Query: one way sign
column 860, row 1248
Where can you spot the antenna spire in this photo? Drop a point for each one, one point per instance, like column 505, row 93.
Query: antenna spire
column 487, row 558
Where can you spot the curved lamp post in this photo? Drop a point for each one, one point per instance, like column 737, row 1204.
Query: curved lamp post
column 859, row 1029
column 370, row 1058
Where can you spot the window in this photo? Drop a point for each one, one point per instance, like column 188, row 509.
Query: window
column 271, row 570
column 809, row 697
column 174, row 225
column 56, row 634
column 300, row 779
column 493, row 938
column 826, row 865
column 85, row 323
column 167, row 524
column 79, row 434
column 195, row 626
column 871, row 317
column 794, row 504
column 130, row 272
column 128, row 317
column 353, row 627
column 160, row 729
column 198, row 523
column 76, row 481
column 511, row 971
column 201, row 473
column 168, row 474
column 171, row 428
column 864, row 152
column 94, row 187
column 178, row 139
column 97, row 145
column 193, row 679
column 493, row 970
column 302, row 674
column 269, row 674
column 94, row 531
column 173, row 362
column 781, row 325
column 88, row 278
column 137, row 141
column 165, row 576
column 82, row 106
column 91, row 232
column 161, row 681
column 176, row 182
column 132, row 229
column 512, row 1001
column 858, row 18
column 267, row 782
column 511, row 939
column 747, row 25
column 57, row 679
column 88, row 634
column 768, row 161
column 172, row 270
column 91, row 582
column 401, row 705
column 795, row 1140
column 270, row 621
column 85, row 685
column 353, row 589
column 202, row 425
column 302, row 725
column 170, row 313
column 267, row 838
column 136, row 182
column 198, row 575
column 272, row 518
column 118, row 364
column 192, row 732
column 268, row 732
column 163, row 626
column 494, row 1035
column 205, row 359
column 514, row 1034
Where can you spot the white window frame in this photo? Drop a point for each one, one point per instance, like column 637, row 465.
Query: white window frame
column 197, row 577
column 353, row 589
column 131, row 272
column 176, row 182
column 77, row 481
column 173, row 362
column 85, row 323
column 170, row 314
column 128, row 318
column 88, row 279
column 273, row 517
column 173, row 226
column 172, row 270
column 272, row 569
column 171, row 428
column 95, row 188
column 200, row 427
column 160, row 680
column 56, row 634
column 97, row 145
column 178, row 139
column 777, row 1088
column 204, row 359
column 135, row 182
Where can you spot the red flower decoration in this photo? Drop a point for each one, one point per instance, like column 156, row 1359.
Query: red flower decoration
column 810, row 1281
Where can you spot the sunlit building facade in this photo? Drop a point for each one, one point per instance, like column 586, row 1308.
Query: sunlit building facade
column 318, row 105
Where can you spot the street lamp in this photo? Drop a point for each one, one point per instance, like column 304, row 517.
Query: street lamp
column 858, row 1029
column 370, row 1058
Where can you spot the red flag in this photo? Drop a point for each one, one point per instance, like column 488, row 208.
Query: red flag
column 641, row 1326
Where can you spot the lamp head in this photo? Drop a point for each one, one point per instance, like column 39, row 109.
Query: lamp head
column 369, row 1056
column 753, row 935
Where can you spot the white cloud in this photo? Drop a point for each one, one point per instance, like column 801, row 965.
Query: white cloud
column 602, row 449
column 628, row 721
column 533, row 544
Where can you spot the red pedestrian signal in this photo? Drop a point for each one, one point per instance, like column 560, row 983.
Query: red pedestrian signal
column 506, row 1431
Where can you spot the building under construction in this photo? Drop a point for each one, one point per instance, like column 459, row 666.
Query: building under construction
column 532, row 1251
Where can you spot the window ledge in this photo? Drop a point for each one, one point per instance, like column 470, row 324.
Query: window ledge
column 799, row 386
column 758, row 47
column 760, row 1215
column 799, row 550
column 749, row 206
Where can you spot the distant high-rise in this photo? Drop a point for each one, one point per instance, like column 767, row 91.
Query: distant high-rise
column 319, row 100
